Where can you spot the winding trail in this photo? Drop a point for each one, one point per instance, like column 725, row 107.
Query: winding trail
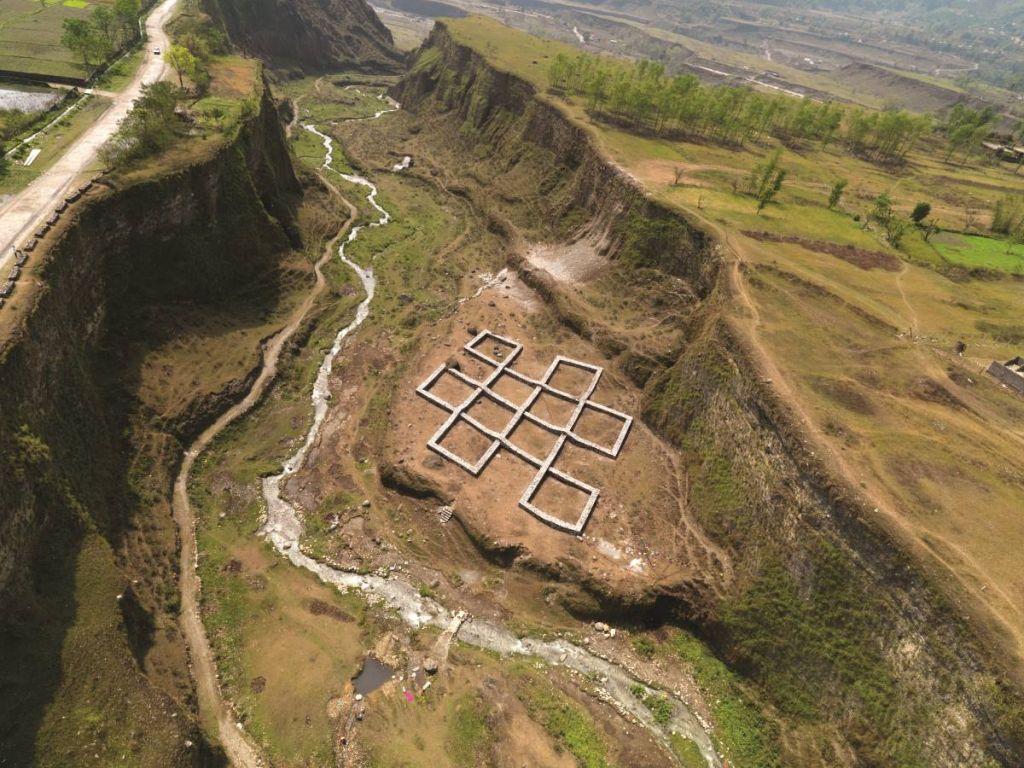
column 241, row 752
column 283, row 529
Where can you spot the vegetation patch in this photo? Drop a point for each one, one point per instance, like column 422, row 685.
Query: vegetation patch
column 687, row 752
column 469, row 736
column 566, row 721
column 746, row 737
column 979, row 252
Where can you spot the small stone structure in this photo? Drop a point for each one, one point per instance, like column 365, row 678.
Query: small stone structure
column 1010, row 373
column 482, row 389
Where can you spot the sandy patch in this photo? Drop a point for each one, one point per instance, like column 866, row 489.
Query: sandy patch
column 568, row 263
column 507, row 285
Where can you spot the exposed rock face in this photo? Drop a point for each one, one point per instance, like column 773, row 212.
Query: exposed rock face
column 194, row 234
column 311, row 35
column 234, row 213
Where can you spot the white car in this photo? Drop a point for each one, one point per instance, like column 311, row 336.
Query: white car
column 156, row 51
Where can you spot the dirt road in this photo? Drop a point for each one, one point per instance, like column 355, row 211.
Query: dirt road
column 240, row 750
column 28, row 209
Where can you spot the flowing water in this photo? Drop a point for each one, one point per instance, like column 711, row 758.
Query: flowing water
column 283, row 529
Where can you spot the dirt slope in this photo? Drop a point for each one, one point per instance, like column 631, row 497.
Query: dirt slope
column 311, row 36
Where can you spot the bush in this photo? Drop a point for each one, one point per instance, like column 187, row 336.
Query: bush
column 1008, row 213
column 920, row 212
column 660, row 707
column 644, row 646
column 147, row 130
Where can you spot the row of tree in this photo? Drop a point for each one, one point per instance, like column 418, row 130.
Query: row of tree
column 644, row 97
column 966, row 128
column 107, row 29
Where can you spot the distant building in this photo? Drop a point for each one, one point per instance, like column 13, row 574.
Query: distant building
column 1004, row 151
column 1010, row 373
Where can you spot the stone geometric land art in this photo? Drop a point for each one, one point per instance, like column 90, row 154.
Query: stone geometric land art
column 482, row 390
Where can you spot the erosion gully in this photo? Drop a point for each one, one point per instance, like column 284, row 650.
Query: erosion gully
column 283, row 530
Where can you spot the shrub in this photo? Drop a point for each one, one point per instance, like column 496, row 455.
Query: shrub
column 147, row 130
column 644, row 646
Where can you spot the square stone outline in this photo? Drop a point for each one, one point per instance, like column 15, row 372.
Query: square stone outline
column 501, row 439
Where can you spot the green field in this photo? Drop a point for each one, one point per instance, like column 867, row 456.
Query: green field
column 30, row 36
column 988, row 253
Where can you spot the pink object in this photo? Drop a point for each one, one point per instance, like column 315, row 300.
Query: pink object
column 409, row 696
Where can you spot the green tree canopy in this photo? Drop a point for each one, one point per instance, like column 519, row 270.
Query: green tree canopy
column 182, row 61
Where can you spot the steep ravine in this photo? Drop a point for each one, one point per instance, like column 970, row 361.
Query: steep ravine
column 837, row 625
column 78, row 507
column 283, row 529
column 311, row 36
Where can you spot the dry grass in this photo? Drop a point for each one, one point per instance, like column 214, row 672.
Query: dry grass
column 866, row 355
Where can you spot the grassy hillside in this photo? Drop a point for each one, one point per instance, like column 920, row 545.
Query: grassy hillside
column 836, row 352
column 890, row 345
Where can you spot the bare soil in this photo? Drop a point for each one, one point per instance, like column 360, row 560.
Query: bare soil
column 849, row 253
column 645, row 521
column 568, row 263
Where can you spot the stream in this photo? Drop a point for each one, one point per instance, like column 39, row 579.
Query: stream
column 283, row 529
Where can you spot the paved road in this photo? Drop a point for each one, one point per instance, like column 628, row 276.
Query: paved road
column 23, row 213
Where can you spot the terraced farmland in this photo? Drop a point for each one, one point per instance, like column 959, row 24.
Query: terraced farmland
column 30, row 37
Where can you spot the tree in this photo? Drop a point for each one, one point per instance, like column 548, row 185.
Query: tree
column 104, row 23
column 1016, row 237
column 836, row 193
column 1008, row 213
column 127, row 14
column 182, row 61
column 79, row 37
column 767, row 178
column 148, row 128
column 881, row 211
column 920, row 212
column 5, row 164
column 895, row 228
column 966, row 128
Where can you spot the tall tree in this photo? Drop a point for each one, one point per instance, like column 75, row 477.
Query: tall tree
column 127, row 14
column 182, row 61
column 104, row 22
column 79, row 37
column 836, row 193
column 767, row 178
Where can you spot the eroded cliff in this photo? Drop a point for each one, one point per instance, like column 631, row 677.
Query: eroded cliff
column 87, row 545
column 310, row 36
column 838, row 627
